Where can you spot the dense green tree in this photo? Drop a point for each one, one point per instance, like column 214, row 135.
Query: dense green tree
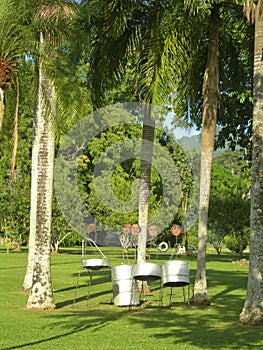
column 124, row 175
column 237, row 241
column 14, row 204
column 14, row 212
column 235, row 69
column 229, row 199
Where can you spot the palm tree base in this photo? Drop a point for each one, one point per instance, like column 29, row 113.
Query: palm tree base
column 200, row 301
column 49, row 308
column 251, row 316
column 24, row 291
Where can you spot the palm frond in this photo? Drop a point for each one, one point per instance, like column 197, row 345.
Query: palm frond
column 11, row 31
column 164, row 53
column 109, row 57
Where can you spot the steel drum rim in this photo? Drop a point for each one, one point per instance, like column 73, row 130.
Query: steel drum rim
column 95, row 264
column 149, row 271
column 175, row 273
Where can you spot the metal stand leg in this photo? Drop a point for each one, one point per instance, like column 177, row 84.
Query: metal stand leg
column 171, row 294
column 89, row 287
column 77, row 285
column 160, row 295
column 183, row 294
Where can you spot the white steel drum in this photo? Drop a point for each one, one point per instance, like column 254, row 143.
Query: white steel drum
column 175, row 273
column 125, row 288
column 95, row 264
column 147, row 271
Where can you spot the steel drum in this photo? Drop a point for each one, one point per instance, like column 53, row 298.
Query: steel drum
column 147, row 271
column 95, row 264
column 125, row 288
column 175, row 273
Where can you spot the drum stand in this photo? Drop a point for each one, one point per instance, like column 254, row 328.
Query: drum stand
column 184, row 295
column 89, row 265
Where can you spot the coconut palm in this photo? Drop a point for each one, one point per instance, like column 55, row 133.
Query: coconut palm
column 252, row 313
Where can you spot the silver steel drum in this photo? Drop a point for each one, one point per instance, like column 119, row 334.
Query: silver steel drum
column 95, row 264
column 125, row 288
column 175, row 273
column 147, row 271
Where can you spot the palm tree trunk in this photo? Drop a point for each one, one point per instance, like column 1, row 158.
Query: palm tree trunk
column 37, row 127
column 252, row 313
column 210, row 103
column 41, row 293
column 38, row 269
column 15, row 134
column 144, row 196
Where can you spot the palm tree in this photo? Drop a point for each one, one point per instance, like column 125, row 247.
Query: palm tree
column 220, row 11
column 49, row 17
column 252, row 313
column 210, row 105
column 150, row 36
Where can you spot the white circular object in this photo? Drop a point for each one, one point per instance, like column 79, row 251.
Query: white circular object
column 163, row 247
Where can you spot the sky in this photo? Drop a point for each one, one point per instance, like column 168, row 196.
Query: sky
column 179, row 132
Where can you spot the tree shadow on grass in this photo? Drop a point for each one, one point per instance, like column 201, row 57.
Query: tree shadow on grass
column 85, row 321
column 212, row 327
column 206, row 328
column 209, row 327
column 86, row 294
column 200, row 327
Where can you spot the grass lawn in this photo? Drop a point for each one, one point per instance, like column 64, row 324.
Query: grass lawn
column 86, row 318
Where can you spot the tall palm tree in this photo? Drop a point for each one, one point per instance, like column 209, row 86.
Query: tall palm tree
column 49, row 17
column 219, row 24
column 210, row 105
column 252, row 313
column 150, row 35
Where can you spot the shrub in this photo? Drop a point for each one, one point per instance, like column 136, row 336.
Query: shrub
column 237, row 242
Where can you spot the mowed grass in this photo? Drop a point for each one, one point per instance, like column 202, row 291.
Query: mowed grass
column 86, row 318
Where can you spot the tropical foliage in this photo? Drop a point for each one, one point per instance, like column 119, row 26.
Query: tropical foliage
column 229, row 201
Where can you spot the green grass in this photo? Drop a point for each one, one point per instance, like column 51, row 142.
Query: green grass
column 96, row 324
